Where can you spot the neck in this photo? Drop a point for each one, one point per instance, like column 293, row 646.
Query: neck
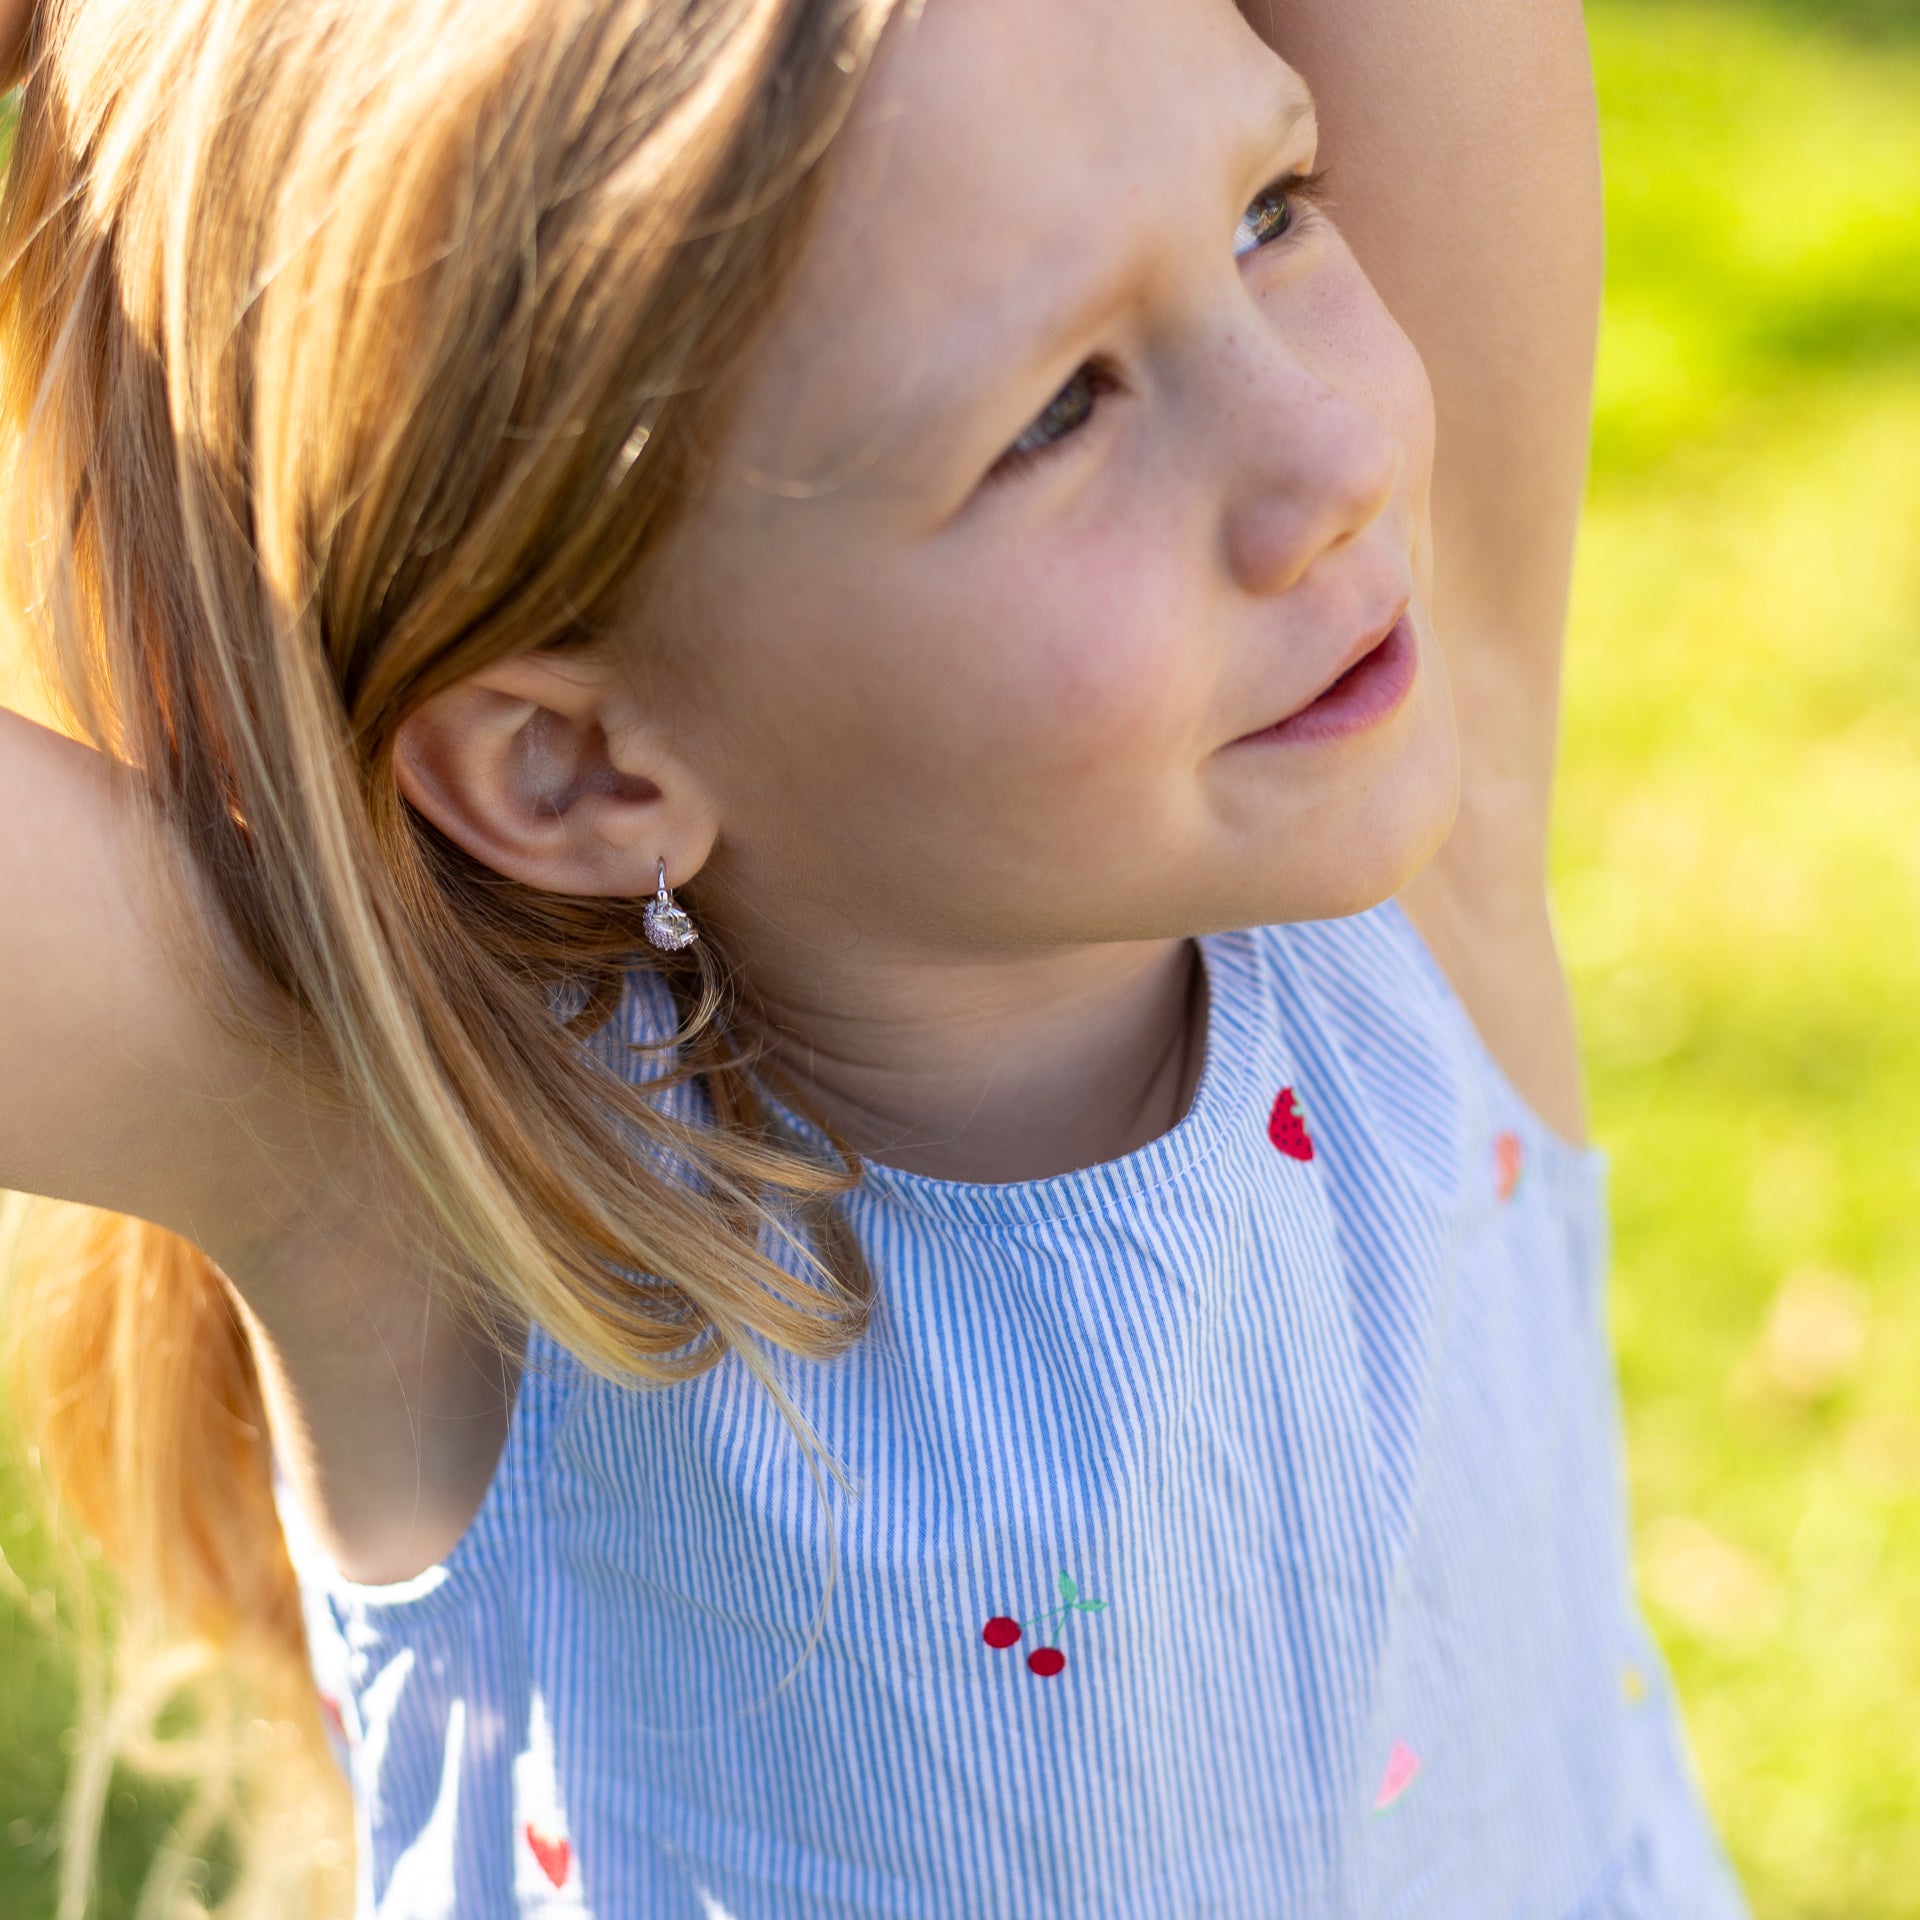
column 994, row 1067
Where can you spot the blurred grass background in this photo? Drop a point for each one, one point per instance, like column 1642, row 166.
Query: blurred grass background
column 1737, row 876
column 1738, row 889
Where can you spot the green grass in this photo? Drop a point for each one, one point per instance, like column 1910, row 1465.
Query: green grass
column 1738, row 877
column 37, row 1709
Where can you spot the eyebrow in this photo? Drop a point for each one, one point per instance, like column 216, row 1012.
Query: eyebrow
column 1043, row 335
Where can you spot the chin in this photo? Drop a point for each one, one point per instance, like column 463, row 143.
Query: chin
column 1411, row 816
column 1403, row 823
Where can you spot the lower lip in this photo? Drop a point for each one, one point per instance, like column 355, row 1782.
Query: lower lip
column 1362, row 697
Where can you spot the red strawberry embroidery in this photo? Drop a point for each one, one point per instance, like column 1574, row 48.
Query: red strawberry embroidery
column 553, row 1853
column 1003, row 1630
column 1287, row 1127
column 1506, row 1164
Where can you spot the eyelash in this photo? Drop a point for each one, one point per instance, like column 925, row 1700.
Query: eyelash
column 1306, row 193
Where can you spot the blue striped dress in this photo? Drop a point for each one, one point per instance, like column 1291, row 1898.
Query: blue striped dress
column 1235, row 1528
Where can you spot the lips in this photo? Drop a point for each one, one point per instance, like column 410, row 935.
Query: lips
column 1359, row 651
column 1362, row 688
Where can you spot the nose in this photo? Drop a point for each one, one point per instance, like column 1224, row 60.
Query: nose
column 1310, row 466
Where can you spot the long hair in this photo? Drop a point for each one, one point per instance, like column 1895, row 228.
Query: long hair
column 346, row 347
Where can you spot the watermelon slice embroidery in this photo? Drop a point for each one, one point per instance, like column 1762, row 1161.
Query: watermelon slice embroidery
column 336, row 1721
column 1402, row 1764
column 553, row 1852
column 1506, row 1164
column 1287, row 1126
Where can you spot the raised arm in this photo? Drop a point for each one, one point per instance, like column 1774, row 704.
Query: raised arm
column 1464, row 143
column 122, row 1090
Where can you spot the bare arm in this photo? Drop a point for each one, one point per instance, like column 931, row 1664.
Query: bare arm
column 1464, row 142
column 121, row 1089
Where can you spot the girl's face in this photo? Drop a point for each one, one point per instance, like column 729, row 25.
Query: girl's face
column 1079, row 452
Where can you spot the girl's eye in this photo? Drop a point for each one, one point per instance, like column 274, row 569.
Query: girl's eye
column 1273, row 213
column 1069, row 410
column 1277, row 210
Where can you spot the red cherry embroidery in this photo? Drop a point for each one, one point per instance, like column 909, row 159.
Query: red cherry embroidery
column 1287, row 1127
column 1506, row 1164
column 330, row 1709
column 553, row 1853
column 1003, row 1630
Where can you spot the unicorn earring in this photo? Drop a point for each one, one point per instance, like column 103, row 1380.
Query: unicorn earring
column 665, row 920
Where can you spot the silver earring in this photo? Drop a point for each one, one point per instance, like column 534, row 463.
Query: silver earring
column 665, row 920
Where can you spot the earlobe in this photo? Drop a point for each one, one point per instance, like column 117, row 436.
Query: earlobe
column 539, row 767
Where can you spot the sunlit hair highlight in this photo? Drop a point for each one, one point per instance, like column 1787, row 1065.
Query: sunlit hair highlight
column 348, row 346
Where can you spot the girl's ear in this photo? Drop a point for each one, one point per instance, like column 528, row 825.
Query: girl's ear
column 545, row 768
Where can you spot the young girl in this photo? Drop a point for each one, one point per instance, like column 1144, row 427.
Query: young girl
column 814, row 852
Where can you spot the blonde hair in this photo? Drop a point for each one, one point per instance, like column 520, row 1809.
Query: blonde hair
column 348, row 346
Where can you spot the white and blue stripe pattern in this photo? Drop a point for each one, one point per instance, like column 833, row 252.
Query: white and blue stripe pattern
column 1334, row 1441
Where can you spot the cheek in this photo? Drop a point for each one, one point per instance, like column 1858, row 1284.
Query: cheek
column 1040, row 710
column 1089, row 659
column 1033, row 706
